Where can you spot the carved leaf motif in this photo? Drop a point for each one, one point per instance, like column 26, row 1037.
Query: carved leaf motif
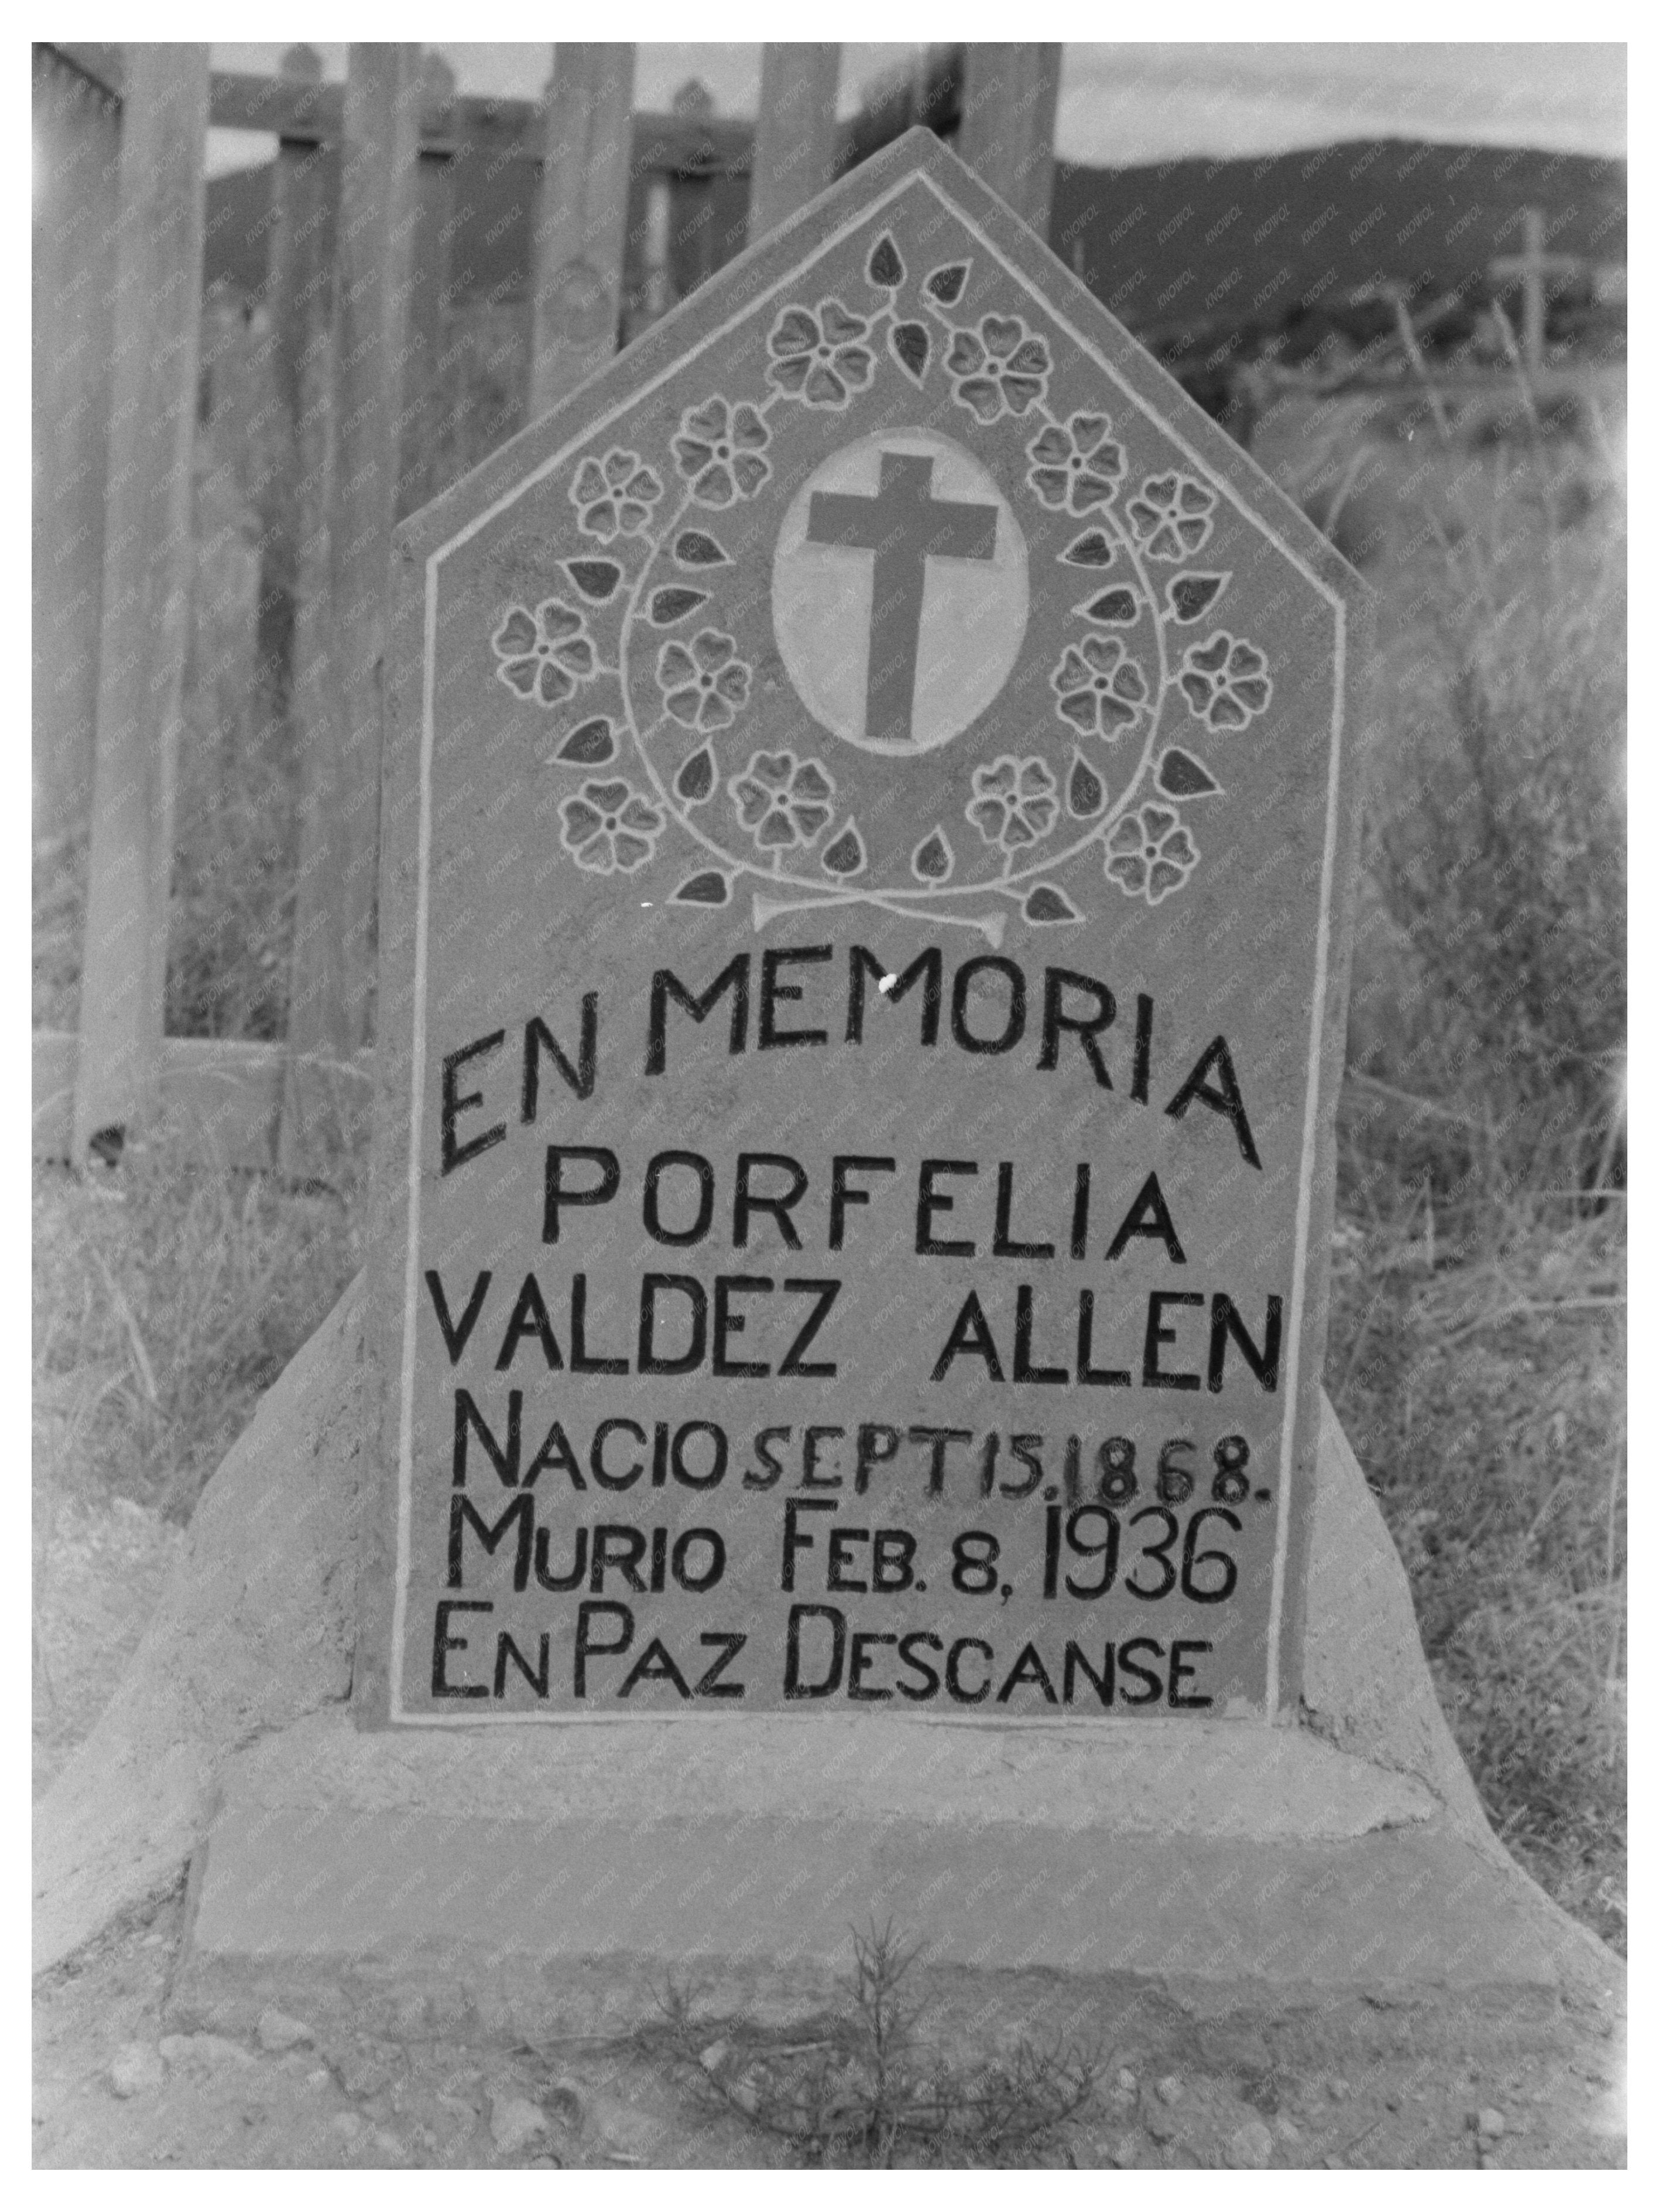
column 1045, row 903
column 1086, row 794
column 696, row 777
column 1182, row 776
column 709, row 889
column 933, row 861
column 1120, row 604
column 1191, row 595
column 910, row 344
column 844, row 855
column 589, row 743
column 948, row 282
column 885, row 269
column 673, row 603
column 696, row 549
column 1093, row 549
column 595, row 579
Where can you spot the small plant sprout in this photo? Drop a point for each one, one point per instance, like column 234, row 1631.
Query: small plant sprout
column 862, row 2087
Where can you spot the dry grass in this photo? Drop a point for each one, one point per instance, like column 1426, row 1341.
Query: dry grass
column 231, row 920
column 1485, row 1401
column 1477, row 1355
column 167, row 1296
column 167, row 1299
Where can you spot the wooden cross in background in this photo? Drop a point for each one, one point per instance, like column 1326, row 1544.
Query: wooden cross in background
column 1534, row 266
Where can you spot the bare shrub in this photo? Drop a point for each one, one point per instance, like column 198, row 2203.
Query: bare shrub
column 865, row 2087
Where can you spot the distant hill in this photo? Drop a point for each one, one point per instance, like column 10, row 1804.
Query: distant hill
column 1189, row 248
column 1192, row 242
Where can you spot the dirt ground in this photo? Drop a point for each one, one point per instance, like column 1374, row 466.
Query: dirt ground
column 1356, row 2082
column 97, row 1577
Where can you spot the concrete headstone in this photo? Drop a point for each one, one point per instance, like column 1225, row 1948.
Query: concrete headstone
column 869, row 826
column 867, row 832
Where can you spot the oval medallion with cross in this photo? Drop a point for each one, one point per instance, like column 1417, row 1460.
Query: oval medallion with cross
column 899, row 592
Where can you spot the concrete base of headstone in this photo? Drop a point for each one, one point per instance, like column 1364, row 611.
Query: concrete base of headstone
column 579, row 1865
column 598, row 1860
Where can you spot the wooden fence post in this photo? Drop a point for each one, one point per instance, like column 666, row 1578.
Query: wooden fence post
column 299, row 294
column 1009, row 96
column 582, row 219
column 794, row 155
column 78, row 150
column 146, row 553
column 340, row 641
column 220, row 666
column 421, row 475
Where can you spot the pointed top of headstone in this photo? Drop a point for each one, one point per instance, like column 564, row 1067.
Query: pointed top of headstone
column 303, row 64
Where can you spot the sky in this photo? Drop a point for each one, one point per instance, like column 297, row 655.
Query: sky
column 1125, row 104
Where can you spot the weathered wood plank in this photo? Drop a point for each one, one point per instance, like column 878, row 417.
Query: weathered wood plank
column 343, row 618
column 298, row 583
column 581, row 218
column 299, row 293
column 147, row 551
column 311, row 114
column 375, row 262
column 795, row 134
column 420, row 474
column 1010, row 93
column 224, row 584
column 219, row 1097
column 77, row 137
column 299, row 277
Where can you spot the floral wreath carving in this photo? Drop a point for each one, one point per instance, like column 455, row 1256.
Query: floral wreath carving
column 1144, row 677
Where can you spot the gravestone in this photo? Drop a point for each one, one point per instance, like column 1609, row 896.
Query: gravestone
column 870, row 817
column 868, row 832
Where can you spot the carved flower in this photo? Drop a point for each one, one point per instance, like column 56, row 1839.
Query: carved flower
column 719, row 450
column 1172, row 516
column 703, row 684
column 1225, row 680
column 609, row 827
column 544, row 655
column 615, row 494
column 1013, row 802
column 781, row 802
column 1003, row 366
column 1151, row 854
column 818, row 358
column 1077, row 467
column 1101, row 691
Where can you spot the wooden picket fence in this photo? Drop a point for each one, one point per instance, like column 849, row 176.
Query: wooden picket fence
column 121, row 138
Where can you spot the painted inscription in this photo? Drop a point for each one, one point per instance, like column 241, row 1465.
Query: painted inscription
column 753, row 1261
